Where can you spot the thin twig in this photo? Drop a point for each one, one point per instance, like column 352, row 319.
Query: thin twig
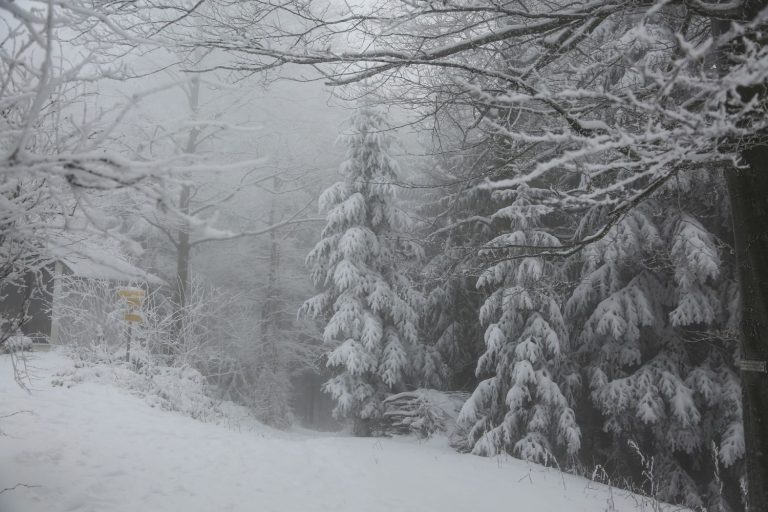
column 28, row 486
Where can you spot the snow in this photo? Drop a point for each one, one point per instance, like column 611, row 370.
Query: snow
column 91, row 446
column 91, row 256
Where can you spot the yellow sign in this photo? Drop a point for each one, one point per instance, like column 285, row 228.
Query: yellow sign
column 131, row 293
column 134, row 301
column 134, row 297
column 133, row 317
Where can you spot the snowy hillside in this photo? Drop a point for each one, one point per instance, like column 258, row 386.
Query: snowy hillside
column 93, row 447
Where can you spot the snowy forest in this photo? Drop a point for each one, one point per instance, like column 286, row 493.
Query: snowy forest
column 525, row 233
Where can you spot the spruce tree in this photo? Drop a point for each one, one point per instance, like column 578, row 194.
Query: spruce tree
column 367, row 302
column 521, row 407
column 652, row 318
column 450, row 320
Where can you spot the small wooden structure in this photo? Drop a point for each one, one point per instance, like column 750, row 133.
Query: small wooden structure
column 83, row 259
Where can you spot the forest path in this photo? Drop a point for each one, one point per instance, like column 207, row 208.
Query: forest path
column 94, row 447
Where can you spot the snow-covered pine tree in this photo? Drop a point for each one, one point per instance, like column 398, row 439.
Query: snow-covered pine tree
column 651, row 318
column 521, row 407
column 367, row 299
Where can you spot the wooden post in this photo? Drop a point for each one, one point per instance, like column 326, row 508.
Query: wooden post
column 134, row 298
column 128, row 345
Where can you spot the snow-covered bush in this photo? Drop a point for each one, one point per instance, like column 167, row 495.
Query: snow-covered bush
column 88, row 315
column 220, row 344
column 16, row 343
column 182, row 389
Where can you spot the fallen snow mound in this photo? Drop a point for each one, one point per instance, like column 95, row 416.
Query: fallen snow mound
column 423, row 412
column 93, row 447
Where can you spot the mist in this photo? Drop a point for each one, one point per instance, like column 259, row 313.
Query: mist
column 383, row 255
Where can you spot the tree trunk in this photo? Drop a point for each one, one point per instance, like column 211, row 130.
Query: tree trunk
column 182, row 263
column 183, row 246
column 748, row 193
column 361, row 427
column 272, row 383
column 270, row 306
column 748, row 190
column 269, row 311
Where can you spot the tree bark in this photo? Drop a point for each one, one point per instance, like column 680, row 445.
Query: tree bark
column 748, row 191
column 748, row 194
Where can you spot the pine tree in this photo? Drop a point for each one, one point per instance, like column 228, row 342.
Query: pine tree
column 521, row 406
column 367, row 300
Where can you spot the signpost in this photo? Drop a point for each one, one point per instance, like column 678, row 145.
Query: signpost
column 134, row 298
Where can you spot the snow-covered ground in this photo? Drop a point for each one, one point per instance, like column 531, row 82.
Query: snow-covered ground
column 96, row 447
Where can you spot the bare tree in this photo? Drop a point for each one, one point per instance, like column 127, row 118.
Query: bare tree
column 52, row 151
column 202, row 192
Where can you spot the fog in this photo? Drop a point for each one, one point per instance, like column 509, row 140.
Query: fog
column 383, row 255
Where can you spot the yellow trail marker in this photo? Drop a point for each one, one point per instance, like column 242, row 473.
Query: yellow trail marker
column 133, row 317
column 134, row 301
column 131, row 293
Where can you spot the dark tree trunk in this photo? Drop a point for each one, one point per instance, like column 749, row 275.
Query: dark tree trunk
column 361, row 427
column 748, row 190
column 748, row 193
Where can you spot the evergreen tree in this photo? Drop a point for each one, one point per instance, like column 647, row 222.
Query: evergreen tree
column 651, row 315
column 450, row 320
column 367, row 300
column 521, row 406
